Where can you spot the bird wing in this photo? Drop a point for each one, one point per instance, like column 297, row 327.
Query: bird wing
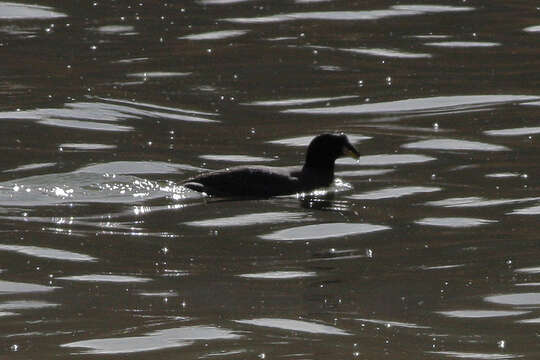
column 262, row 181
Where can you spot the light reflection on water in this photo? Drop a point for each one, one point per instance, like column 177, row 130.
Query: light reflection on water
column 29, row 167
column 454, row 222
column 294, row 325
column 481, row 314
column 117, row 29
column 13, row 11
column 107, row 107
column 77, row 114
column 514, row 132
column 46, row 253
column 470, row 355
column 85, row 147
column 235, row 158
column 155, row 340
column 10, row 287
column 388, row 159
column 529, row 270
column 215, row 35
column 105, row 278
column 305, row 140
column 397, row 10
column 322, row 231
column 462, row 44
column 296, row 102
column 474, row 202
column 454, row 144
column 535, row 28
column 85, row 125
column 26, row 305
column 394, row 192
column 419, row 105
column 390, row 53
column 81, row 188
column 532, row 210
column 106, row 183
column 389, row 324
column 518, row 299
column 158, row 74
column 252, row 219
column 279, row 275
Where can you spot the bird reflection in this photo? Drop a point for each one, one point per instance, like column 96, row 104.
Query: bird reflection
column 326, row 201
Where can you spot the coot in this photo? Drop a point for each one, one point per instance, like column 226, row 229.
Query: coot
column 256, row 181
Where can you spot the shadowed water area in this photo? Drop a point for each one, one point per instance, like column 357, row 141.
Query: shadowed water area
column 427, row 247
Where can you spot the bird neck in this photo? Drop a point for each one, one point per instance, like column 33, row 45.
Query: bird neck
column 322, row 170
column 316, row 161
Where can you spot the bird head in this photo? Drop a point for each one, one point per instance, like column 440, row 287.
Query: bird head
column 326, row 148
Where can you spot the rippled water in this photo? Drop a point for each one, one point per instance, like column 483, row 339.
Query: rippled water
column 426, row 248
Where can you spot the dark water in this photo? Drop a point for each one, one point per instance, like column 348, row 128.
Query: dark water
column 427, row 248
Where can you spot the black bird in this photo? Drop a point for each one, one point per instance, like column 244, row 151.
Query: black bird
column 256, row 181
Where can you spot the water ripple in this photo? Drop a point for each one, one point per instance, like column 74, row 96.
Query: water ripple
column 453, row 222
column 389, row 324
column 136, row 167
column 529, row 270
column 117, row 30
column 391, row 53
column 481, row 314
column 398, row 10
column 295, row 325
column 26, row 305
column 381, row 52
column 86, row 146
column 220, row 2
column 388, row 159
column 98, row 115
column 503, row 175
column 88, row 185
column 28, row 167
column 105, row 278
column 535, row 28
column 155, row 340
column 297, row 102
column 9, row 287
column 394, row 192
column 158, row 74
column 514, row 131
column 323, row 231
column 463, row 44
column 302, row 141
column 357, row 173
column 215, row 35
column 12, row 11
column 419, row 105
column 475, row 201
column 235, row 158
column 532, row 210
column 47, row 253
column 85, row 125
column 476, row 356
column 515, row 299
column 253, row 219
column 454, row 144
column 279, row 275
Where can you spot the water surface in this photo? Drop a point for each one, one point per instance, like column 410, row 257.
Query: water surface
column 425, row 248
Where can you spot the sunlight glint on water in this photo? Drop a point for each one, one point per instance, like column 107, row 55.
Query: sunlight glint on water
column 426, row 247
